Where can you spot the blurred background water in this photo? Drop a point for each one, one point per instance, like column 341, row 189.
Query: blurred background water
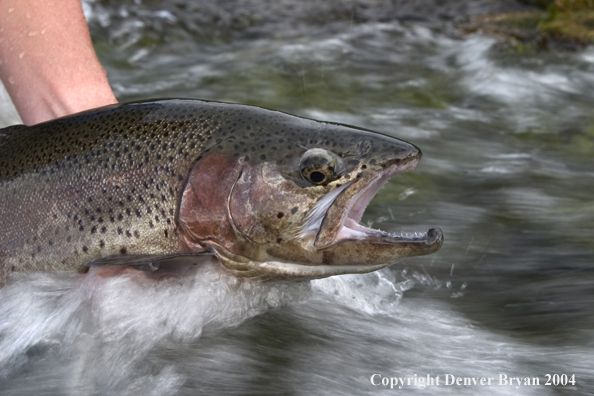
column 507, row 173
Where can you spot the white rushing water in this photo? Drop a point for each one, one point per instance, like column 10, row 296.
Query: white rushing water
column 71, row 334
column 99, row 329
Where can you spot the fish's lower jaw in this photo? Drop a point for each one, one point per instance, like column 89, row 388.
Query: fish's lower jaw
column 279, row 270
column 353, row 231
column 285, row 271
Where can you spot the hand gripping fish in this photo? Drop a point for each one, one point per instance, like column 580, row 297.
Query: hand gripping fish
column 270, row 195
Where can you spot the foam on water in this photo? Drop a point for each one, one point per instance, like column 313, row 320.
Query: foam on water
column 100, row 328
column 73, row 334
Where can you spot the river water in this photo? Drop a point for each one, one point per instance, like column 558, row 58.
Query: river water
column 507, row 173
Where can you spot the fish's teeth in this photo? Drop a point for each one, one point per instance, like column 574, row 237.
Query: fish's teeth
column 414, row 235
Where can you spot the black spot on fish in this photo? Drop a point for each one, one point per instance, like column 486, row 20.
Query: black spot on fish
column 85, row 249
column 294, row 210
column 123, row 250
column 280, row 215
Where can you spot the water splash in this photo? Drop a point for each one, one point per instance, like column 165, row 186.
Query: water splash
column 100, row 328
column 374, row 293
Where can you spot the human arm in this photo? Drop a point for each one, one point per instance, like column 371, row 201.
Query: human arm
column 47, row 61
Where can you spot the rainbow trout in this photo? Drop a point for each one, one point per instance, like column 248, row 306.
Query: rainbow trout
column 272, row 196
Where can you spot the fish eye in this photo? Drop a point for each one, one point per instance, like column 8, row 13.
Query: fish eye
column 320, row 167
column 317, row 177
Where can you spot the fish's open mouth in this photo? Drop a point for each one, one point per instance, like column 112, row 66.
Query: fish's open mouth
column 345, row 207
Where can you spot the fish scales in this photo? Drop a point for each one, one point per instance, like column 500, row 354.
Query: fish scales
column 110, row 181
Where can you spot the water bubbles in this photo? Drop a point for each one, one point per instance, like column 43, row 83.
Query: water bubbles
column 406, row 193
column 459, row 293
column 374, row 293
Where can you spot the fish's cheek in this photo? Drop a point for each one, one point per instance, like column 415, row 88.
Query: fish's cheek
column 203, row 214
column 264, row 208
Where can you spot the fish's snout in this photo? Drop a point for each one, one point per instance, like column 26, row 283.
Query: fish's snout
column 415, row 153
column 402, row 152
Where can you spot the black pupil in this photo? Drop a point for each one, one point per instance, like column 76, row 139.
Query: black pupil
column 317, row 177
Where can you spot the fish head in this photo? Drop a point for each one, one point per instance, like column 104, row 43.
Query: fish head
column 290, row 206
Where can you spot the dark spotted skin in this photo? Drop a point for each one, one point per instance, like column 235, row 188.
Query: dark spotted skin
column 109, row 181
